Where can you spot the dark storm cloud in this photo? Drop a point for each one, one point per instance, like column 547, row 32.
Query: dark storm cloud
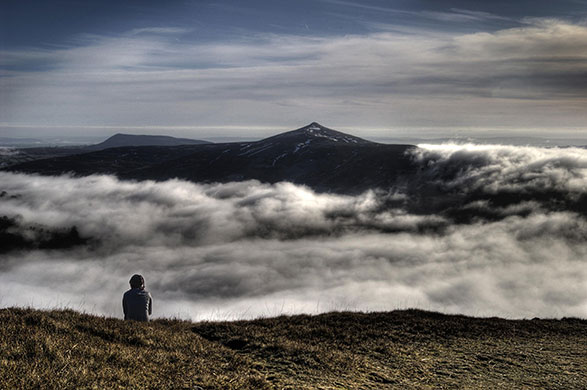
column 247, row 249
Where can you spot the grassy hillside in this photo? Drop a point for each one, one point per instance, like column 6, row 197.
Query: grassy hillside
column 396, row 350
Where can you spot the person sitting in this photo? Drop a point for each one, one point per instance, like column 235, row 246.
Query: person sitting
column 137, row 303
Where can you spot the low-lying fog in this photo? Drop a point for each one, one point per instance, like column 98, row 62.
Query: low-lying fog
column 242, row 250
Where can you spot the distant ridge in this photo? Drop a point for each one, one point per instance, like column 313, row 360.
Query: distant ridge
column 121, row 140
column 326, row 160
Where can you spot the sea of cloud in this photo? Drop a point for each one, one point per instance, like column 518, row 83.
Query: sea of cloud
column 480, row 230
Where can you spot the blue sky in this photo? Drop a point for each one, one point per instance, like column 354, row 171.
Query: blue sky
column 233, row 68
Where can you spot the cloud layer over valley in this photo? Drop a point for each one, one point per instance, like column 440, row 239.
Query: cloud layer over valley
column 481, row 230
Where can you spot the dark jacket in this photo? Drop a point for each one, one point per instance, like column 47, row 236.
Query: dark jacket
column 137, row 304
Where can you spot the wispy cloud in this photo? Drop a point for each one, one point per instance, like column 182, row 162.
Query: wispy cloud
column 447, row 79
column 461, row 16
column 160, row 30
column 480, row 15
column 453, row 15
column 370, row 7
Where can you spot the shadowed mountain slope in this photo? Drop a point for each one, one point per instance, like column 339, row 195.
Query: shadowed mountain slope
column 394, row 350
column 324, row 159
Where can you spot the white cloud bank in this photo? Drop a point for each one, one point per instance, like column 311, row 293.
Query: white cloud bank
column 242, row 250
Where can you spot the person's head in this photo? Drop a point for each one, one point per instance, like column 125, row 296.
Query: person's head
column 137, row 281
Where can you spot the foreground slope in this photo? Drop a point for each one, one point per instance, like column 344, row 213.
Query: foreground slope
column 395, row 350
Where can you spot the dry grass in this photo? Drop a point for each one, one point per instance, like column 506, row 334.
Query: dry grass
column 395, row 350
column 68, row 350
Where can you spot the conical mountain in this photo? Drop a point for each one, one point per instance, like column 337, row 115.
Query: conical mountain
column 316, row 132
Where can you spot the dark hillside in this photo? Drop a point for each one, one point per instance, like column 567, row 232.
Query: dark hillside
column 396, row 350
column 107, row 161
column 324, row 159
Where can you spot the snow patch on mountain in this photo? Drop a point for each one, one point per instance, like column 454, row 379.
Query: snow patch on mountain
column 302, row 145
column 253, row 151
column 279, row 158
column 315, row 130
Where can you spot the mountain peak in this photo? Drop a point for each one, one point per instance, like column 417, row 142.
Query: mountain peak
column 316, row 131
